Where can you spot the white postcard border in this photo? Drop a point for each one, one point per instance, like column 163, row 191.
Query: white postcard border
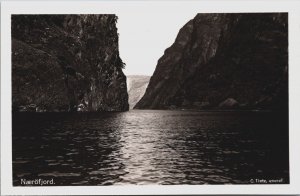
column 105, row 7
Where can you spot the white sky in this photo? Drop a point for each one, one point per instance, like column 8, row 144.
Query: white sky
column 144, row 36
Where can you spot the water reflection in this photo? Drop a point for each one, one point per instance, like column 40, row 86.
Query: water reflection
column 150, row 147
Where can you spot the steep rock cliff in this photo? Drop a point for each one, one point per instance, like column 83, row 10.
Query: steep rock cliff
column 224, row 61
column 67, row 63
column 136, row 85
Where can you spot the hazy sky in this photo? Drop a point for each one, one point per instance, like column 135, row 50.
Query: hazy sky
column 145, row 35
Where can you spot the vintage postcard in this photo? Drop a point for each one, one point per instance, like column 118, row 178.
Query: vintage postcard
column 173, row 97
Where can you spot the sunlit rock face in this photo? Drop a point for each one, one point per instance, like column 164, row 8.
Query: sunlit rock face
column 67, row 63
column 224, row 60
column 136, row 85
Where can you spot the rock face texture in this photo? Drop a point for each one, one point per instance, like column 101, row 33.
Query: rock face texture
column 224, row 61
column 136, row 85
column 67, row 63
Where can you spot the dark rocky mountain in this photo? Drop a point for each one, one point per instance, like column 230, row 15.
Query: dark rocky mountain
column 136, row 85
column 224, row 61
column 67, row 63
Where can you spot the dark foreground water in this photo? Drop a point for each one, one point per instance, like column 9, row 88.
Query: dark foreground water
column 150, row 147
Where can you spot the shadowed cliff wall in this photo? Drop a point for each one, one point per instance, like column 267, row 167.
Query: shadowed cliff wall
column 67, row 63
column 225, row 61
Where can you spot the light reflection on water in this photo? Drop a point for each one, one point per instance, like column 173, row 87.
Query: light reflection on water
column 150, row 147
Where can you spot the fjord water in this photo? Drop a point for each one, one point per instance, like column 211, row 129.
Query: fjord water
column 150, row 147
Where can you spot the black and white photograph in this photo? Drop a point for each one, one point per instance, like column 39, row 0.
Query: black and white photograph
column 114, row 99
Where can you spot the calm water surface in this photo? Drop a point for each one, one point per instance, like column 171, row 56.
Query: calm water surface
column 150, row 147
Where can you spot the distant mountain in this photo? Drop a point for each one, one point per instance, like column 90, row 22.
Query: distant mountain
column 224, row 61
column 136, row 85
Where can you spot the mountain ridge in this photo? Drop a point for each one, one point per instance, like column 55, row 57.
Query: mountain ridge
column 223, row 61
column 67, row 63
